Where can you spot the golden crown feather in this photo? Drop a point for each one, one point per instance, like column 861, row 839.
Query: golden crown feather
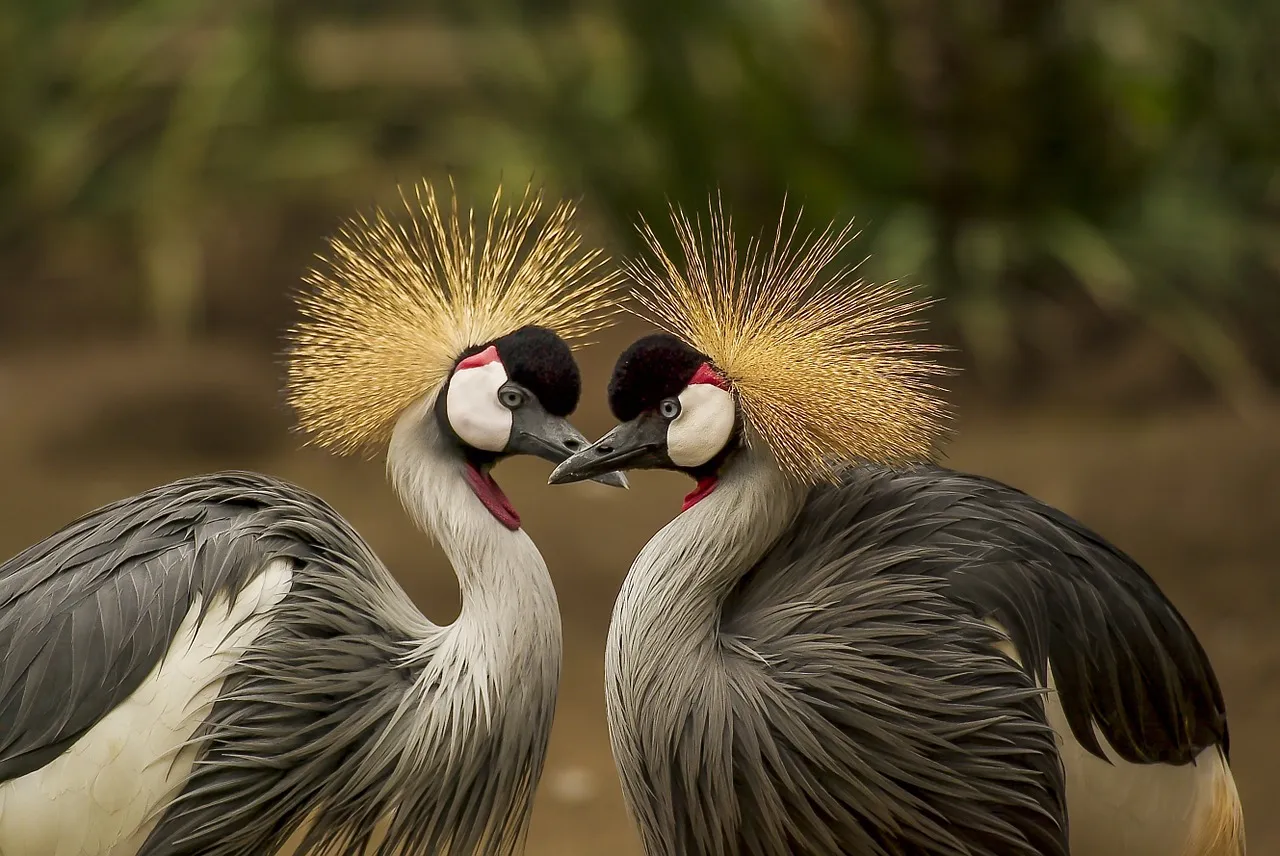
column 820, row 360
column 398, row 302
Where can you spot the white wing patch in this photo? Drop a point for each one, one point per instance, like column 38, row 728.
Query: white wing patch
column 105, row 793
column 703, row 427
column 474, row 411
column 1124, row 809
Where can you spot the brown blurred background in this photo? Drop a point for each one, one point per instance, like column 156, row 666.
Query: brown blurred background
column 1092, row 187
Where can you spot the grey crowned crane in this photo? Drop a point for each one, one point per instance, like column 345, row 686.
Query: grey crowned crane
column 207, row 666
column 840, row 647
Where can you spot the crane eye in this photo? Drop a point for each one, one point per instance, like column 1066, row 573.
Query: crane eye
column 669, row 408
column 511, row 398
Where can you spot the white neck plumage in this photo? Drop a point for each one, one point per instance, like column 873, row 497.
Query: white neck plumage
column 506, row 642
column 676, row 586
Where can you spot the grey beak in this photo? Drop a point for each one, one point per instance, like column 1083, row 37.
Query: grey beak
column 638, row 444
column 552, row 438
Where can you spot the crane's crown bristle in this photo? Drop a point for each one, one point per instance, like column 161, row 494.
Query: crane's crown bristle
column 398, row 304
column 820, row 360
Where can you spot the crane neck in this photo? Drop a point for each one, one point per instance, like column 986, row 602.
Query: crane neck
column 509, row 617
column 683, row 575
column 456, row 761
column 665, row 655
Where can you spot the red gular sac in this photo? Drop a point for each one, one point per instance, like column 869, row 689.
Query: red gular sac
column 706, row 484
column 494, row 500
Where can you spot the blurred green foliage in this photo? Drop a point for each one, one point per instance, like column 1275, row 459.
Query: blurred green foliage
column 1117, row 157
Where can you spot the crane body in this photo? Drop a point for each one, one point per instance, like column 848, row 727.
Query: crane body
column 209, row 666
column 846, row 706
column 898, row 588
column 841, row 647
column 238, row 620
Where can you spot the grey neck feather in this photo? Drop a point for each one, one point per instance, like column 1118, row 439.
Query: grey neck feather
column 484, row 699
column 509, row 608
column 672, row 595
column 664, row 639
column 683, row 574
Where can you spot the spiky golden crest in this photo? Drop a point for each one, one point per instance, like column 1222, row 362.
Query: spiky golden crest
column 819, row 359
column 399, row 303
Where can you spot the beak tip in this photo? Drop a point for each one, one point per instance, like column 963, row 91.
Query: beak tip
column 615, row 479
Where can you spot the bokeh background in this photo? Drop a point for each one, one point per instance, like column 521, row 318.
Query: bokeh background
column 1091, row 186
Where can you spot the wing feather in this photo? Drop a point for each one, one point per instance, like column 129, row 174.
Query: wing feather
column 884, row 704
column 1122, row 656
column 88, row 612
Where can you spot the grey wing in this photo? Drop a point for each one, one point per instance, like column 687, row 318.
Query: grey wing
column 265, row 765
column 301, row 718
column 86, row 614
column 1122, row 656
column 887, row 706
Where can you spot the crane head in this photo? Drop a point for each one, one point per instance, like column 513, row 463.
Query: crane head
column 511, row 397
column 400, row 303
column 774, row 345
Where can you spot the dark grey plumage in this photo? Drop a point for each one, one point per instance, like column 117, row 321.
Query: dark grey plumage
column 838, row 703
column 1122, row 655
column 307, row 718
column 845, row 693
column 913, row 702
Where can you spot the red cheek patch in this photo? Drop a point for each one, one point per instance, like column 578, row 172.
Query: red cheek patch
column 475, row 361
column 706, row 374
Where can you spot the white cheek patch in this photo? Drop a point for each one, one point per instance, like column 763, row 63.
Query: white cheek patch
column 472, row 405
column 703, row 427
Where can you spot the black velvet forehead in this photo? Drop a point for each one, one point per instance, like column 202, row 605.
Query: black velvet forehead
column 653, row 368
column 542, row 363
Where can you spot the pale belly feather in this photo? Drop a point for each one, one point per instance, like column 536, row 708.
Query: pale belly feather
column 104, row 794
column 1124, row 809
